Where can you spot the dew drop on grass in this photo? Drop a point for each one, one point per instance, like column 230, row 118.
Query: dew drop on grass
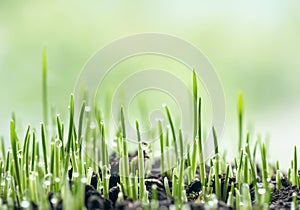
column 83, row 180
column 92, row 125
column 75, row 174
column 25, row 204
column 2, row 184
column 33, row 175
column 57, row 180
column 47, row 179
column 8, row 178
column 41, row 164
column 47, row 183
column 87, row 109
column 54, row 200
column 58, row 143
column 262, row 191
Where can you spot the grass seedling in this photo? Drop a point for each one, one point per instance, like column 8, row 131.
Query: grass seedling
column 195, row 100
column 209, row 182
column 60, row 131
column 64, row 165
column 182, row 163
column 264, row 166
column 217, row 165
column 195, row 104
column 265, row 174
column 278, row 176
column 154, row 202
column 246, row 197
column 200, row 145
column 161, row 141
column 105, row 162
column 230, row 200
column 246, row 169
column 295, row 202
column 125, row 158
column 141, row 166
column 226, row 183
column 237, row 199
column 14, row 145
column 239, row 169
column 25, row 159
column 167, row 187
column 295, row 169
column 44, row 86
column 33, row 155
column 240, row 121
column 2, row 148
column 173, row 131
column 44, row 145
column 251, row 161
column 80, row 125
column 70, row 134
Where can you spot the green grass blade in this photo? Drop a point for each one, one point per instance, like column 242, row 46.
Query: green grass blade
column 172, row 130
column 14, row 145
column 195, row 102
column 141, row 166
column 44, row 145
column 161, row 141
column 240, row 121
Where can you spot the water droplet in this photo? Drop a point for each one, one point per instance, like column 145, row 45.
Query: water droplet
column 164, row 105
column 25, row 204
column 261, row 191
column 47, row 179
column 2, row 184
column 58, row 143
column 83, row 180
column 41, row 164
column 87, row 109
column 47, row 183
column 8, row 178
column 75, row 174
column 92, row 125
column 54, row 200
column 57, row 180
column 33, row 175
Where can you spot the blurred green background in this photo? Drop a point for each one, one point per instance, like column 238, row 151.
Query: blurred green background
column 255, row 48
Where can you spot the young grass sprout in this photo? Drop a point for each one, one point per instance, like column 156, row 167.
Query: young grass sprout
column 62, row 164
